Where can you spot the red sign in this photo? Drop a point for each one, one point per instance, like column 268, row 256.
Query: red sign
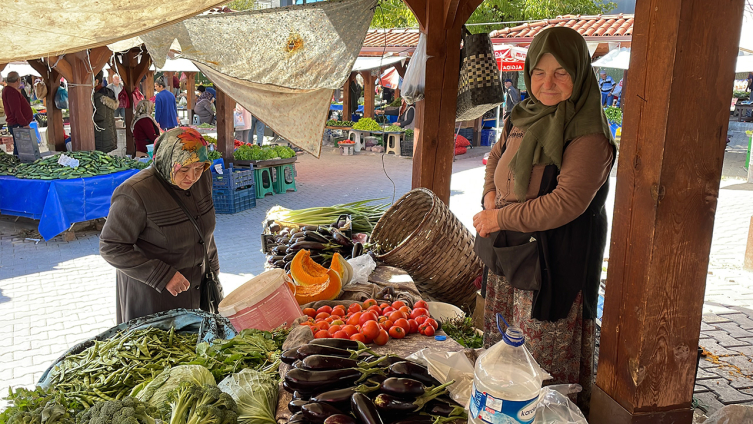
column 509, row 58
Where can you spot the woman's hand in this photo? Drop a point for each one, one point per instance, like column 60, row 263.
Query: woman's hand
column 490, row 201
column 178, row 284
column 485, row 222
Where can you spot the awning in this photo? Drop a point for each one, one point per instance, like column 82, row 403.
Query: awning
column 22, row 68
column 390, row 79
column 368, row 63
column 178, row 65
column 510, row 58
column 616, row 59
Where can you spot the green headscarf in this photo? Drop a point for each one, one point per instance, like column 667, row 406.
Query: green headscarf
column 547, row 128
column 177, row 148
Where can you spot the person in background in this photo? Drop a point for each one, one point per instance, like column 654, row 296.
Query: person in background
column 176, row 85
column 212, row 90
column 204, row 109
column 513, row 97
column 147, row 237
column 18, row 112
column 606, row 84
column 117, row 86
column 243, row 131
column 407, row 114
column 260, row 127
column 617, row 94
column 388, row 95
column 105, row 103
column 165, row 108
column 144, row 128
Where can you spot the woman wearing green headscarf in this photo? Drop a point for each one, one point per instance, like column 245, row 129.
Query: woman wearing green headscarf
column 148, row 237
column 548, row 176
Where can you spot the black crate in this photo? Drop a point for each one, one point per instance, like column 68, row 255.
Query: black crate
column 406, row 147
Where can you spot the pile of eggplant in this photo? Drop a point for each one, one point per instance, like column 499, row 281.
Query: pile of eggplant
column 338, row 381
column 323, row 241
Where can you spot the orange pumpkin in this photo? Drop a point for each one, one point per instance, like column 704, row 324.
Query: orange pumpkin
column 305, row 271
column 329, row 290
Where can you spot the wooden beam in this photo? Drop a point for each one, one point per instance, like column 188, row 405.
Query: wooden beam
column 418, row 7
column 478, row 125
column 98, row 57
column 450, row 10
column 225, row 106
column 51, row 78
column 131, row 71
column 669, row 169
column 347, row 99
column 149, row 85
column 79, row 99
column 62, row 66
column 400, row 68
column 368, row 94
column 169, row 80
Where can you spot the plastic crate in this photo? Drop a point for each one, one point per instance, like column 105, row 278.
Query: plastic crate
column 487, row 137
column 406, row 147
column 233, row 179
column 234, row 201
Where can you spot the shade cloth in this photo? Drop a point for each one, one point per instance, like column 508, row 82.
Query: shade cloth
column 59, row 203
column 40, row 28
column 281, row 64
column 367, row 63
column 617, row 59
column 22, row 68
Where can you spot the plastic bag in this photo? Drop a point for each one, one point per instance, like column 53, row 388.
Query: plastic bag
column 238, row 119
column 554, row 407
column 61, row 98
column 363, row 266
column 446, row 366
column 414, row 82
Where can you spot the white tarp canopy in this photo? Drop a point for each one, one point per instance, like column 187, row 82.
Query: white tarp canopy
column 744, row 64
column 178, row 65
column 22, row 68
column 617, row 59
column 367, row 63
column 40, row 28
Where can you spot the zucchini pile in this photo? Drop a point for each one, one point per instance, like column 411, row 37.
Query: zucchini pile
column 91, row 164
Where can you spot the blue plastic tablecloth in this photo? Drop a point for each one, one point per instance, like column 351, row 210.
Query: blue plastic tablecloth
column 340, row 107
column 59, row 203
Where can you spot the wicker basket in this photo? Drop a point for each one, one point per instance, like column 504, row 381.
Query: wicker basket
column 420, row 235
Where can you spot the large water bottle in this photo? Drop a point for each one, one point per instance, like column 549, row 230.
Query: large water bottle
column 506, row 382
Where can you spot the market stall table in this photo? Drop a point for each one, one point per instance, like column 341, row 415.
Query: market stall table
column 58, row 204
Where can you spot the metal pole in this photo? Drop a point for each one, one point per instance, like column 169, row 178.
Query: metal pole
column 496, row 127
column 750, row 165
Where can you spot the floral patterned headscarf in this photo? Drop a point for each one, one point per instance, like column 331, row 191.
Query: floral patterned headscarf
column 177, row 148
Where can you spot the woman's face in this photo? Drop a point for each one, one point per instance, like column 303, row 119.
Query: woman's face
column 188, row 175
column 550, row 82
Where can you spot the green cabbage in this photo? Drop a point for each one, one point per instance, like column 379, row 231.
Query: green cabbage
column 155, row 392
column 255, row 393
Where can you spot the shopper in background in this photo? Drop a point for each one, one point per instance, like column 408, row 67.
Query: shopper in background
column 144, row 128
column 18, row 112
column 260, row 127
column 617, row 94
column 205, row 108
column 165, row 108
column 148, row 238
column 242, row 120
column 117, row 86
column 105, row 103
column 606, row 84
column 512, row 98
column 406, row 116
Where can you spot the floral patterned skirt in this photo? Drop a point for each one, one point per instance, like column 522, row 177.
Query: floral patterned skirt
column 564, row 348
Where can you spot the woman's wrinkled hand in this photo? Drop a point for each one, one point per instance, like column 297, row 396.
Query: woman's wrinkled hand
column 178, row 284
column 490, row 201
column 485, row 222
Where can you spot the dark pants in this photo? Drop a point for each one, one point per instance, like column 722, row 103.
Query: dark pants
column 10, row 128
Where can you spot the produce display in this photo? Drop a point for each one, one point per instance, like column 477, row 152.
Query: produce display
column 254, row 152
column 461, row 330
column 364, row 216
column 91, row 164
column 409, row 134
column 205, row 125
column 333, row 123
column 394, row 128
column 8, row 163
column 332, row 384
column 214, row 155
column 614, row 114
column 320, row 244
column 367, row 124
column 255, row 394
column 370, row 323
column 210, row 140
column 314, row 282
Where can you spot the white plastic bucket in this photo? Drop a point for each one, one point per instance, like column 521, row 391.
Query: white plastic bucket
column 442, row 312
column 263, row 303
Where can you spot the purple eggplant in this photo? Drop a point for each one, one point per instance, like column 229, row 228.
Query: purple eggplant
column 364, row 409
column 443, row 409
column 309, row 381
column 389, row 404
column 295, row 405
column 404, row 388
column 341, row 398
column 325, row 362
column 386, row 361
column 339, row 343
column 309, row 245
column 298, row 418
column 315, row 349
column 340, row 419
column 290, row 356
column 318, row 412
column 297, row 364
column 412, row 370
column 300, row 395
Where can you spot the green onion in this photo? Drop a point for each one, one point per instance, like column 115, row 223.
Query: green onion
column 364, row 216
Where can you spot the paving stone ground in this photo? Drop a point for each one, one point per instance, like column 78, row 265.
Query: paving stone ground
column 55, row 294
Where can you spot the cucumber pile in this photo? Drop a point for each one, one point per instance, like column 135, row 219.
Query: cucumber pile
column 91, row 164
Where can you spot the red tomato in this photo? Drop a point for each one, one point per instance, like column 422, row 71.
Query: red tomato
column 370, row 330
column 338, row 322
column 382, row 338
column 350, row 330
column 387, row 311
column 354, row 307
column 386, row 324
column 339, row 312
column 398, row 304
column 355, row 318
column 403, row 323
column 397, row 332
column 420, row 320
column 323, row 325
column 404, row 309
column 322, row 334
column 432, row 322
column 384, row 305
column 322, row 315
column 341, row 335
column 310, row 312
column 413, row 326
column 326, row 309
column 375, row 309
column 369, row 303
column 396, row 315
column 427, row 330
column 419, row 312
column 358, row 337
column 367, row 316
column 334, row 329
column 421, row 304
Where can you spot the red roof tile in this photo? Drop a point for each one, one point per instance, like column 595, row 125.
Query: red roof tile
column 588, row 26
column 391, row 38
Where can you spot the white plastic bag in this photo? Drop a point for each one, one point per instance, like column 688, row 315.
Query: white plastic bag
column 363, row 266
column 414, row 82
column 554, row 407
column 446, row 366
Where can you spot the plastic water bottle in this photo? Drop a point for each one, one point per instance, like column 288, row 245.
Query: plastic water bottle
column 506, row 382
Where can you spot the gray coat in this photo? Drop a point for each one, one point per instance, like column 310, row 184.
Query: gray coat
column 105, row 137
column 203, row 108
column 148, row 238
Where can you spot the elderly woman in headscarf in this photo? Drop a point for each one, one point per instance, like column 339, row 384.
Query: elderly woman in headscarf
column 204, row 108
column 144, row 128
column 547, row 178
column 148, row 237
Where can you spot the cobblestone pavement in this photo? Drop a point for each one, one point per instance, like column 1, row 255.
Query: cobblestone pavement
column 55, row 294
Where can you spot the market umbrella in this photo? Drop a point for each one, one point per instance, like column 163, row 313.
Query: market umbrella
column 390, row 79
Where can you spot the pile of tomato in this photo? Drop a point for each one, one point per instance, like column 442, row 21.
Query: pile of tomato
column 371, row 322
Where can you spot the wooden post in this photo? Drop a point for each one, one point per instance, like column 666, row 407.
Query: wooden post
column 225, row 106
column 169, row 80
column 149, row 85
column 368, row 94
column 190, row 94
column 478, row 125
column 51, row 78
column 669, row 170
column 347, row 99
column 131, row 71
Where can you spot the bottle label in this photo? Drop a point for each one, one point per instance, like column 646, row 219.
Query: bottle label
column 489, row 409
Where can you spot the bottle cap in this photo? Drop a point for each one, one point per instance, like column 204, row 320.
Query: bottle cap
column 440, row 338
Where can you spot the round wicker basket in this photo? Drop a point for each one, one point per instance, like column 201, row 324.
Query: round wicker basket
column 420, row 235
